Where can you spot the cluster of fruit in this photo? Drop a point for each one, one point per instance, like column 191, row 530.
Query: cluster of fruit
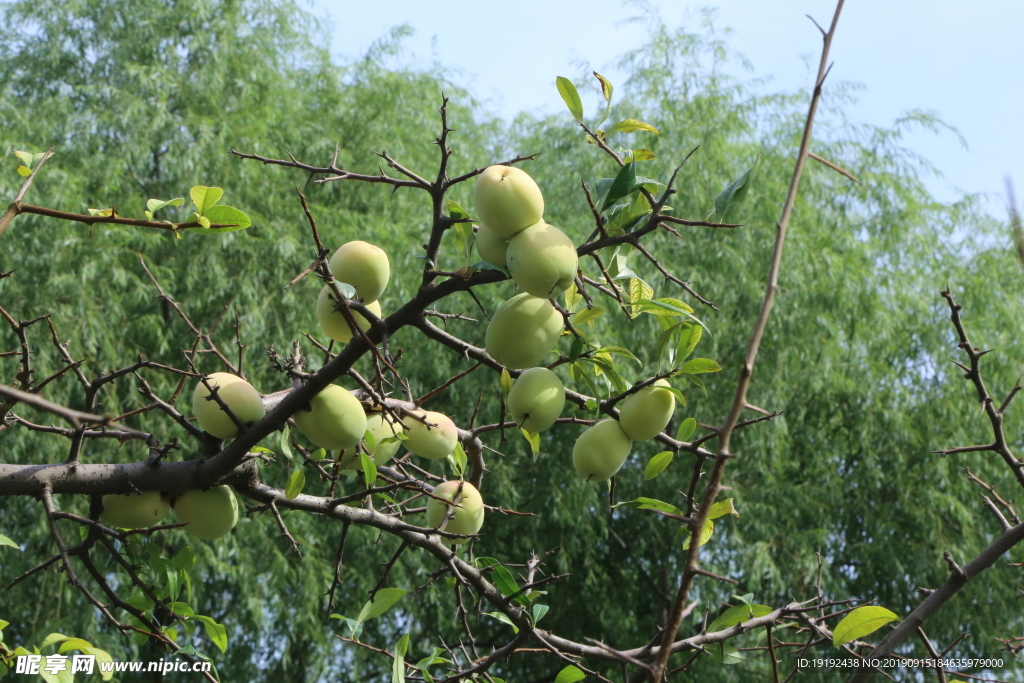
column 542, row 260
column 208, row 514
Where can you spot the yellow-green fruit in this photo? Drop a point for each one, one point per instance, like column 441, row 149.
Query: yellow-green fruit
column 466, row 519
column 647, row 412
column 244, row 401
column 542, row 260
column 600, row 451
column 435, row 441
column 507, row 200
column 491, row 247
column 135, row 510
column 536, row 399
column 333, row 420
column 522, row 331
column 363, row 266
column 333, row 323
column 209, row 514
column 381, row 430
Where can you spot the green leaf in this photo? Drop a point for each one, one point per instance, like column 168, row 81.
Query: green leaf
column 577, row 348
column 624, row 183
column 154, row 205
column 606, row 87
column 24, row 171
column 696, row 380
column 722, row 508
column 318, row 455
column 53, row 638
column 737, row 615
column 503, row 618
column 26, row 157
column 619, row 351
column 572, row 298
column 458, row 459
column 649, row 504
column 686, row 429
column 296, row 481
column 533, row 440
column 571, row 98
column 140, row 602
column 736, row 191
column 725, row 653
column 283, row 442
column 570, row 674
column 205, row 197
column 6, row 541
column 506, row 583
column 538, row 611
column 586, row 315
column 644, row 155
column 227, row 216
column 215, row 632
column 506, row 383
column 705, row 534
column 464, row 235
column 184, row 559
column 630, row 125
column 688, row 340
column 658, row 464
column 699, row 365
column 861, row 622
column 369, row 469
column 432, row 660
column 398, row 666
column 381, row 603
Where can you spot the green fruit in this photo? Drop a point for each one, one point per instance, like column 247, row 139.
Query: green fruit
column 135, row 510
column 522, row 331
column 646, row 413
column 209, row 514
column 466, row 519
column 600, row 451
column 536, row 399
column 507, row 200
column 542, row 260
column 334, row 419
column 244, row 401
column 381, row 430
column 363, row 266
column 333, row 323
column 436, row 441
column 491, row 247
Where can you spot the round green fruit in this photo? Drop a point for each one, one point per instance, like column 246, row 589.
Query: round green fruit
column 491, row 247
column 334, row 419
column 332, row 321
column 382, row 428
column 536, row 399
column 363, row 266
column 209, row 514
column 244, row 401
column 135, row 510
column 507, row 200
column 466, row 519
column 542, row 260
column 435, row 441
column 647, row 412
column 601, row 450
column 522, row 331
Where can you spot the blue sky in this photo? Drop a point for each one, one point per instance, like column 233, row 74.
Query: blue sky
column 960, row 59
